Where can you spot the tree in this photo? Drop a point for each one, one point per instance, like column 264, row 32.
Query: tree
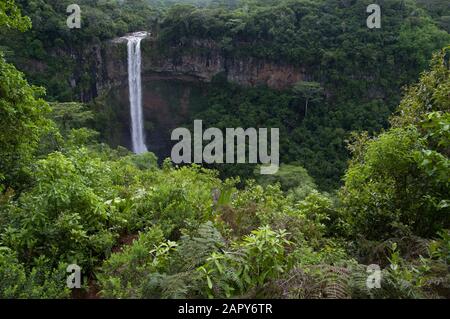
column 22, row 111
column 397, row 183
column 294, row 179
column 71, row 115
column 11, row 17
column 310, row 91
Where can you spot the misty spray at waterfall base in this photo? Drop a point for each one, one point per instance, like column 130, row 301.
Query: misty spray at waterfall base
column 135, row 91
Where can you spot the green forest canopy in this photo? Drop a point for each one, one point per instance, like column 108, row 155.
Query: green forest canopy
column 67, row 198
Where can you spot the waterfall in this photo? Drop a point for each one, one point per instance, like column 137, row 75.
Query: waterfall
column 135, row 90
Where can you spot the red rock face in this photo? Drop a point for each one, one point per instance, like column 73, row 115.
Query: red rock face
column 202, row 61
column 174, row 84
column 204, row 65
column 256, row 72
column 167, row 102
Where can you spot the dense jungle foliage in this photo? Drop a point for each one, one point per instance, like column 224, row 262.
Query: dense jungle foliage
column 361, row 71
column 140, row 229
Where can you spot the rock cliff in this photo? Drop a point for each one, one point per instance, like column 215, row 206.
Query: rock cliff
column 201, row 61
column 175, row 83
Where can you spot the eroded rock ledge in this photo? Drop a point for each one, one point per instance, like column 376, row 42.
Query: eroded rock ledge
column 202, row 61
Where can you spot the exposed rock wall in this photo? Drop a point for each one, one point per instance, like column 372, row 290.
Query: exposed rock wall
column 175, row 83
column 201, row 61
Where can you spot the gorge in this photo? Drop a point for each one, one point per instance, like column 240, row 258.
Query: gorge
column 174, row 86
column 357, row 205
column 238, row 70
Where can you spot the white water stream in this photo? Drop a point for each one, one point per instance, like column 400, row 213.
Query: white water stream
column 135, row 90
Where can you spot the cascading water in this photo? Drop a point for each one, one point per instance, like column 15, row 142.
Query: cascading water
column 135, row 89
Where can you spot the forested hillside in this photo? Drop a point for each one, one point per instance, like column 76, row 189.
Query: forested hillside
column 361, row 71
column 364, row 145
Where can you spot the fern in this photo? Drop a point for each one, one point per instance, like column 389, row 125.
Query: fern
column 196, row 247
column 177, row 286
column 316, row 282
column 336, row 283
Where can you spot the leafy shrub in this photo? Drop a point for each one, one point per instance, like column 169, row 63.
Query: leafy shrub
column 42, row 281
column 259, row 257
column 22, row 118
column 122, row 274
column 181, row 279
column 195, row 247
column 291, row 178
column 173, row 203
column 64, row 217
column 397, row 183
